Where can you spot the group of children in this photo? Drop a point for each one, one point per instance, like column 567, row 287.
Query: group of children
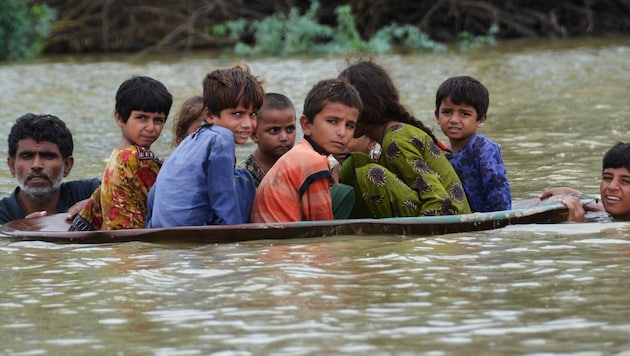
column 345, row 117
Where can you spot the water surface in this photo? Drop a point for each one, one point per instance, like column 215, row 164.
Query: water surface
column 555, row 108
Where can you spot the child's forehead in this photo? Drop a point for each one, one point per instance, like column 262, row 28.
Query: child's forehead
column 621, row 171
column 243, row 107
column 449, row 101
column 271, row 112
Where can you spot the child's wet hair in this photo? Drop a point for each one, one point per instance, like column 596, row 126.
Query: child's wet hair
column 275, row 101
column 142, row 94
column 464, row 90
column 330, row 91
column 617, row 157
column 188, row 113
column 380, row 96
column 227, row 88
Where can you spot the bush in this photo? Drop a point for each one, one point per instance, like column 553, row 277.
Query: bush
column 23, row 29
column 282, row 35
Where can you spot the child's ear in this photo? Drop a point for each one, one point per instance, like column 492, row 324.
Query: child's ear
column 119, row 120
column 482, row 121
column 437, row 114
column 254, row 136
column 306, row 126
column 207, row 115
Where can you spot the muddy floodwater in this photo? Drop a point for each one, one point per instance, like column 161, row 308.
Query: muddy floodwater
column 555, row 108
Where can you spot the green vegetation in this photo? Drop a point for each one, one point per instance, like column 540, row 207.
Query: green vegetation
column 282, row 35
column 23, row 30
column 468, row 41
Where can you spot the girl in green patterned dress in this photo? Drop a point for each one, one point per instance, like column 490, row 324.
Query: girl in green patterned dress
column 412, row 177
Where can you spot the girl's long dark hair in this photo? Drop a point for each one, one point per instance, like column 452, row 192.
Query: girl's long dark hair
column 380, row 97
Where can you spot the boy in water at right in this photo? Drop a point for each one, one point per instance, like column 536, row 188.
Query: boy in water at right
column 614, row 189
column 461, row 104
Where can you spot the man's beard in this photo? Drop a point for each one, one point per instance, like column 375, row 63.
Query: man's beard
column 40, row 194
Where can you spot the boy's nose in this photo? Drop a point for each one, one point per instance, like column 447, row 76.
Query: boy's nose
column 250, row 121
column 454, row 117
column 614, row 183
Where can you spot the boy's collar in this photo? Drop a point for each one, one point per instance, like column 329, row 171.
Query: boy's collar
column 316, row 147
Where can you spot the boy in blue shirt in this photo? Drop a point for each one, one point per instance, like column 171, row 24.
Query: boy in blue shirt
column 198, row 184
column 461, row 104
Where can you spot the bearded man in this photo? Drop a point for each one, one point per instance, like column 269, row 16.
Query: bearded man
column 40, row 156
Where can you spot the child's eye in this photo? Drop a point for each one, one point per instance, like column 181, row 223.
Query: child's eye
column 273, row 130
column 351, row 125
column 606, row 178
column 159, row 120
column 290, row 129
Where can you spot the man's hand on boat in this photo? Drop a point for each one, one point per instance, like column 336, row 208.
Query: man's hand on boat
column 72, row 211
column 571, row 198
column 75, row 209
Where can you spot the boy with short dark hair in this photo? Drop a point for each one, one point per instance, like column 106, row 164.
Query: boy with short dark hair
column 198, row 184
column 461, row 104
column 142, row 107
column 274, row 135
column 614, row 188
column 298, row 186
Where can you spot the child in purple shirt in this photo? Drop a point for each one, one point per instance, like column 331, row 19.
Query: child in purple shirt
column 461, row 104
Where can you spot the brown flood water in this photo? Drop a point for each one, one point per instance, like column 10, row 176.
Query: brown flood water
column 555, row 108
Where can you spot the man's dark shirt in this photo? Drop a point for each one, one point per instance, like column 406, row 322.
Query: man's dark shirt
column 71, row 193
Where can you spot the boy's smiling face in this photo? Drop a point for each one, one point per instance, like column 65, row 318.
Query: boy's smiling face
column 615, row 192
column 240, row 120
column 333, row 127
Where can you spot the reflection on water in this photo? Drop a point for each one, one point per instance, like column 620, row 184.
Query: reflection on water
column 555, row 108
column 513, row 290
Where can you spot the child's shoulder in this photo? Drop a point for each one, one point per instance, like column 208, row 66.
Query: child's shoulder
column 211, row 133
column 133, row 155
column 482, row 141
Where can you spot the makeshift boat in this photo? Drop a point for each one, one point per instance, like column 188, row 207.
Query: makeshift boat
column 54, row 228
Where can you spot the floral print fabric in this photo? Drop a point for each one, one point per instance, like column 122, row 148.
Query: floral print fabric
column 480, row 167
column 412, row 177
column 250, row 164
column 121, row 200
